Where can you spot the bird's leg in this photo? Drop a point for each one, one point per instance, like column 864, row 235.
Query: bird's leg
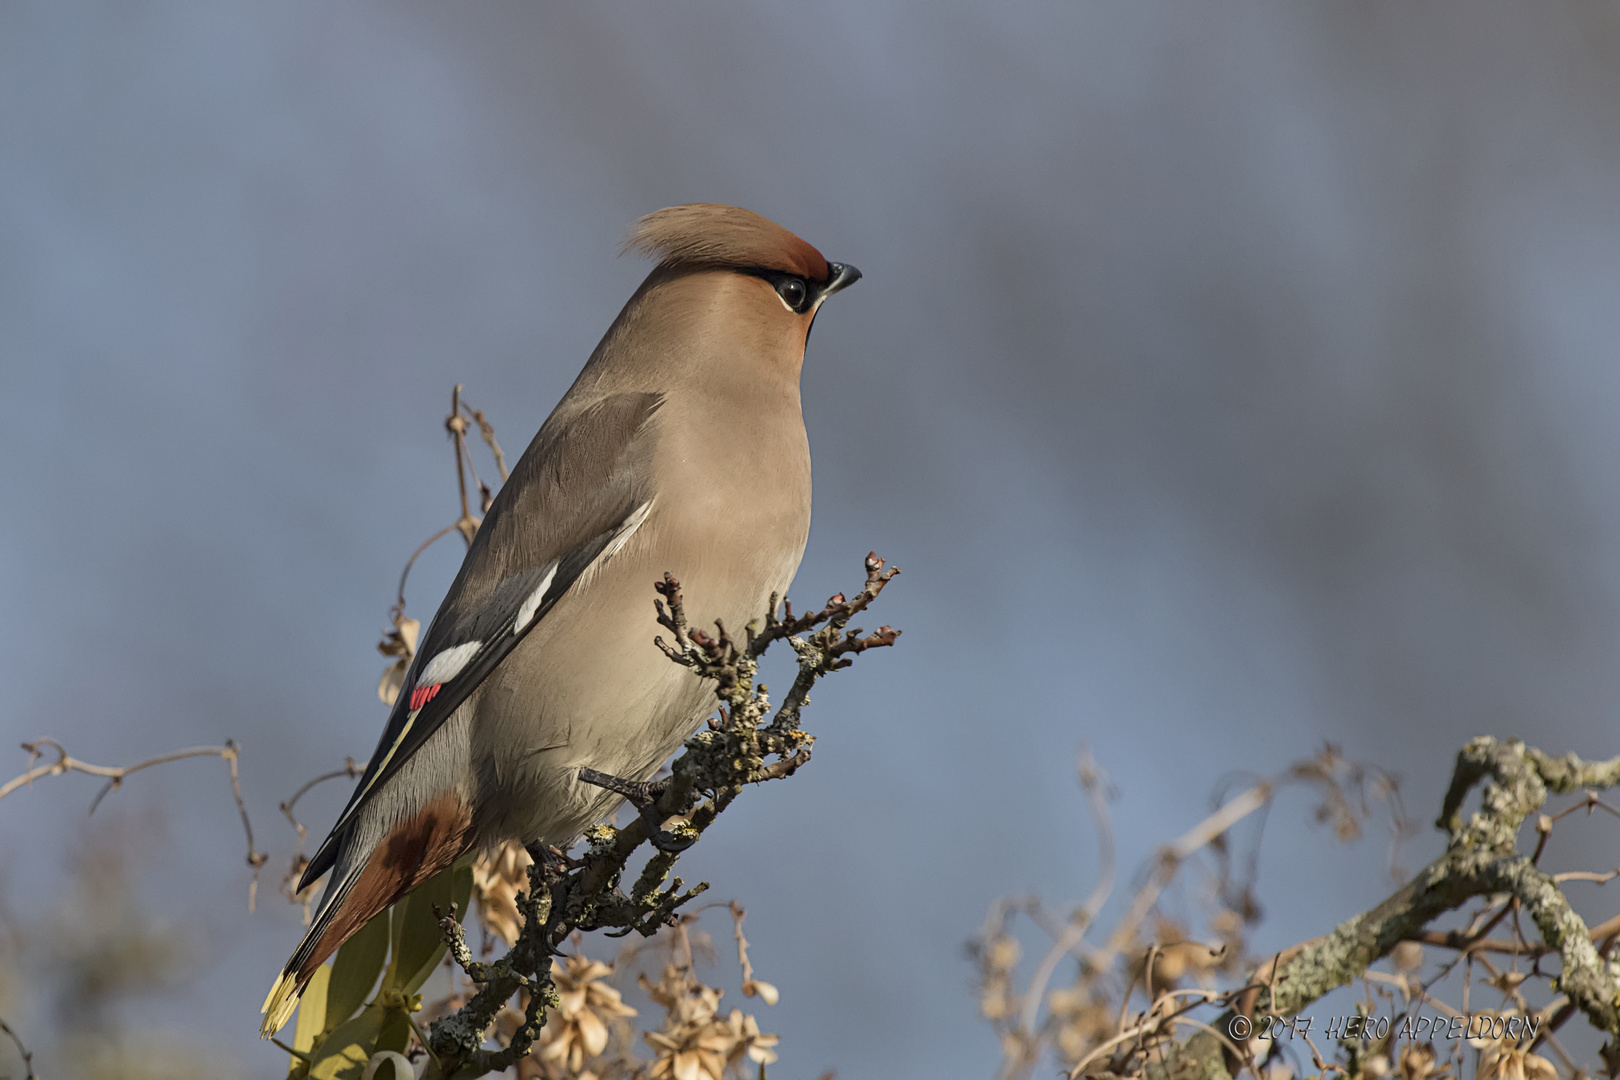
column 643, row 795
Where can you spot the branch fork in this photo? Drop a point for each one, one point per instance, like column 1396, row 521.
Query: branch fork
column 587, row 893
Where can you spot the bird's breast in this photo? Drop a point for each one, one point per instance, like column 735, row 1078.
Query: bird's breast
column 587, row 687
column 733, row 480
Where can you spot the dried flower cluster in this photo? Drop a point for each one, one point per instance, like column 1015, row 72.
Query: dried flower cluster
column 586, row 1005
column 695, row 1042
column 498, row 880
column 592, row 1033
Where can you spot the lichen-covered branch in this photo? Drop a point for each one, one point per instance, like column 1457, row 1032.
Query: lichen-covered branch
column 568, row 894
column 1481, row 860
column 1521, row 777
column 1153, row 1002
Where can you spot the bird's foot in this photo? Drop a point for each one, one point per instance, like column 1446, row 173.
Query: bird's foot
column 643, row 795
column 553, row 859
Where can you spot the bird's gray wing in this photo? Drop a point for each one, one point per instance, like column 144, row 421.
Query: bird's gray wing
column 575, row 495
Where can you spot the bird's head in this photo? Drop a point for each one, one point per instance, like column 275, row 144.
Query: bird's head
column 775, row 279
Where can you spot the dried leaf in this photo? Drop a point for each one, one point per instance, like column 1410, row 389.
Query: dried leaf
column 392, row 681
column 1004, row 953
column 399, row 642
column 1507, row 981
column 1407, row 956
column 761, row 989
column 497, row 881
column 1417, row 1060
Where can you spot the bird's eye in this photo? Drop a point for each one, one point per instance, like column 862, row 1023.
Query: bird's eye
column 792, row 292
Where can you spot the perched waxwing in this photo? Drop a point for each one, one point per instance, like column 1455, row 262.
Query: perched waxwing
column 680, row 447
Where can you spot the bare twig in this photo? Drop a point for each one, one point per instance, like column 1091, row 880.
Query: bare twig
column 405, row 574
column 351, row 769
column 298, row 862
column 455, row 422
column 456, row 425
column 1095, row 786
column 737, row 916
column 1172, row 855
column 1451, row 939
column 486, row 431
column 63, row 762
column 751, row 987
column 22, row 1051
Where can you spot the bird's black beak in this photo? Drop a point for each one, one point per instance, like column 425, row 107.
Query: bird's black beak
column 840, row 276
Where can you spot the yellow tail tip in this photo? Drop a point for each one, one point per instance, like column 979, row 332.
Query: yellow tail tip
column 279, row 1005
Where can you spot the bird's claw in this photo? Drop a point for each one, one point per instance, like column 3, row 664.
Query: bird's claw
column 661, row 838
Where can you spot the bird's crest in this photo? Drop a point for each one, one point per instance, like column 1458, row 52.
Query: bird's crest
column 724, row 236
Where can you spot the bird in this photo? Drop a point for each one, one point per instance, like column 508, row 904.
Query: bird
column 680, row 448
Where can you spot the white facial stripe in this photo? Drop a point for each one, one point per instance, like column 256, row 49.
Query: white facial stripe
column 525, row 613
column 448, row 664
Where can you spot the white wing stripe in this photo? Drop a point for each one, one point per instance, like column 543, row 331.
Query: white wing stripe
column 448, row 664
column 627, row 530
column 525, row 613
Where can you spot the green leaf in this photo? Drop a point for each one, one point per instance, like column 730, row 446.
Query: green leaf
column 311, row 1012
column 344, row 1054
column 354, row 972
column 408, row 937
column 418, row 945
column 396, row 1032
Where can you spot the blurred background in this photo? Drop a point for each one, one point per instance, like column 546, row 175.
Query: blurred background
column 1225, row 378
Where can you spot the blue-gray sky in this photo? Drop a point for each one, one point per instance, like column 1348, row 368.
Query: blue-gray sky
column 1226, row 378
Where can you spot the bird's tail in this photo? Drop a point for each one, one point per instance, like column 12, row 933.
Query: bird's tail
column 337, row 920
column 371, row 873
column 279, row 1004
